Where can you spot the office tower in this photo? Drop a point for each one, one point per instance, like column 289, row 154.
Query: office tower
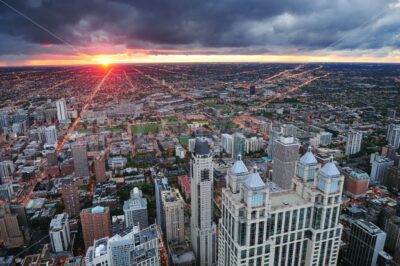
column 131, row 247
column 191, row 144
column 239, row 145
column 356, row 182
column 392, row 230
column 393, row 135
column 325, row 138
column 4, row 119
column 10, row 232
column 266, row 127
column 254, row 144
column 79, row 155
column 391, row 178
column 227, row 143
column 7, row 170
column 379, row 166
column 100, row 168
column 286, row 152
column 365, row 243
column 61, row 110
column 353, row 144
column 173, row 207
column 202, row 226
column 50, row 134
column 59, row 233
column 262, row 225
column 135, row 210
column 289, row 130
column 160, row 184
column 70, row 196
column 273, row 135
column 6, row 191
column 252, row 90
column 52, row 158
column 96, row 224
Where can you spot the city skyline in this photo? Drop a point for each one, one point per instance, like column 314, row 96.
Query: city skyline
column 110, row 32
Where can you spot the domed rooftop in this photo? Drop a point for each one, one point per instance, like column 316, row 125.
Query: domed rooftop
column 330, row 169
column 239, row 167
column 254, row 181
column 308, row 158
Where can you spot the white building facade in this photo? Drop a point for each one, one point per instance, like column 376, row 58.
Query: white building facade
column 202, row 226
column 262, row 226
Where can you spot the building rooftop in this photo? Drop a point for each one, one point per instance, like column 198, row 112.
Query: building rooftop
column 58, row 222
column 239, row 168
column 286, row 199
column 254, row 181
column 201, row 147
column 330, row 169
column 368, row 226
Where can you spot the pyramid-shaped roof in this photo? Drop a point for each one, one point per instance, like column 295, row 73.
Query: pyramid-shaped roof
column 308, row 158
column 239, row 167
column 254, row 181
column 330, row 169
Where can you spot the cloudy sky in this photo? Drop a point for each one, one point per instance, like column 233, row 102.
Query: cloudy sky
column 93, row 31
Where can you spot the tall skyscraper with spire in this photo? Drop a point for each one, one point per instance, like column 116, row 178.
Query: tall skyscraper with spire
column 264, row 225
column 202, row 226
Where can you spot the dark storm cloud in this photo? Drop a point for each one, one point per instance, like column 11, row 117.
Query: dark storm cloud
column 238, row 26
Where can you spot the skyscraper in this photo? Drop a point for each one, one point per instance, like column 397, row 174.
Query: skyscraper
column 131, row 247
column 70, row 196
column 61, row 109
column 79, row 155
column 100, row 168
column 6, row 170
column 160, row 184
column 10, row 233
column 96, row 224
column 325, row 138
column 50, row 134
column 378, row 169
column 227, row 143
column 173, row 221
column 393, row 135
column 261, row 226
column 202, row 226
column 366, row 241
column 353, row 144
column 59, row 233
column 286, row 152
column 135, row 210
column 239, row 145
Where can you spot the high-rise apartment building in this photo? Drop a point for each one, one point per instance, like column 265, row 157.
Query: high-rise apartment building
column 202, row 226
column 100, row 168
column 59, row 233
column 135, row 210
column 7, row 169
column 61, row 110
column 392, row 230
column 79, row 154
column 366, row 241
column 50, row 134
column 286, row 152
column 160, row 184
column 70, row 196
column 393, row 135
column 96, row 224
column 173, row 222
column 131, row 247
column 325, row 138
column 353, row 144
column 379, row 167
column 263, row 225
column 10, row 232
column 239, row 145
column 227, row 143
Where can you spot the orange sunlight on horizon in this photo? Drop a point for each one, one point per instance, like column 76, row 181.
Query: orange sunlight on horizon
column 125, row 58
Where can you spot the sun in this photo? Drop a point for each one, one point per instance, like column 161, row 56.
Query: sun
column 104, row 61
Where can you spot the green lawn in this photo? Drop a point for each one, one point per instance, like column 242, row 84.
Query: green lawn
column 184, row 140
column 145, row 128
column 171, row 118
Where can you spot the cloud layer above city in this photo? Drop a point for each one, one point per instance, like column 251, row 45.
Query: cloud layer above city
column 78, row 30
